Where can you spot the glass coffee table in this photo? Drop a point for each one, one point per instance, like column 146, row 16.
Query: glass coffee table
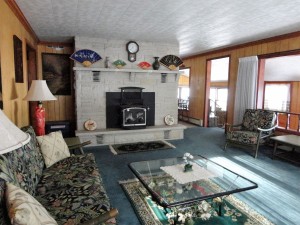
column 171, row 187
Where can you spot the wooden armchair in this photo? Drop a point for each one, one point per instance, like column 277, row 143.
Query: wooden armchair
column 257, row 125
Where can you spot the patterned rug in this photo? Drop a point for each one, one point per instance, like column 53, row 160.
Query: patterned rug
column 140, row 147
column 234, row 211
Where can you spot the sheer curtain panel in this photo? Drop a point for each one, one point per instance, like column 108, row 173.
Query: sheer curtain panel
column 246, row 86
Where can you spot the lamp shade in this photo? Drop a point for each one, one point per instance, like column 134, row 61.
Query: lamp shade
column 11, row 136
column 39, row 91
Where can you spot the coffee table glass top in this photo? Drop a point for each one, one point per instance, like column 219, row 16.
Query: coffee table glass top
column 170, row 186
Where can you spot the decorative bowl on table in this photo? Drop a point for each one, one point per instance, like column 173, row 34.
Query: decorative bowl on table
column 144, row 65
column 86, row 57
column 119, row 63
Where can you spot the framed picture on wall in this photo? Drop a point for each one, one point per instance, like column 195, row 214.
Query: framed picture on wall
column 56, row 71
column 18, row 58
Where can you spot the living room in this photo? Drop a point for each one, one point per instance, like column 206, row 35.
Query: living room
column 283, row 40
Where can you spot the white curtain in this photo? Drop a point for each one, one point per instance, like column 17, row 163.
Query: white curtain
column 246, row 86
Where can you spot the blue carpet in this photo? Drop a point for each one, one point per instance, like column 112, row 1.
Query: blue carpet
column 277, row 196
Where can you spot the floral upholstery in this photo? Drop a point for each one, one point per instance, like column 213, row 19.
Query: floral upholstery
column 71, row 190
column 248, row 133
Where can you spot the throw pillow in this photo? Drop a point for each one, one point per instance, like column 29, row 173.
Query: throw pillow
column 24, row 209
column 53, row 147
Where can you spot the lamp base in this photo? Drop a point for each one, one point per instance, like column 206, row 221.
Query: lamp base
column 39, row 117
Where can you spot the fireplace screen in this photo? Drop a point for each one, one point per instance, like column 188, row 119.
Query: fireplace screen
column 134, row 117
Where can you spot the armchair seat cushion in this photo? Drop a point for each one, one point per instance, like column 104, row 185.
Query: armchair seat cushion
column 245, row 137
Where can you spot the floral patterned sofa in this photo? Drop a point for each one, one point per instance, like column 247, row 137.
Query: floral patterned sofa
column 71, row 190
column 257, row 125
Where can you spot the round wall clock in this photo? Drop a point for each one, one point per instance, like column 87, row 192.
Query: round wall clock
column 132, row 48
column 90, row 125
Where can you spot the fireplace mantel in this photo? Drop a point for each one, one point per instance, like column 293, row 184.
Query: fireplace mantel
column 99, row 69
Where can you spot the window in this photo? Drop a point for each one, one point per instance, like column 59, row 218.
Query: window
column 219, row 98
column 277, row 96
column 184, row 84
column 219, row 69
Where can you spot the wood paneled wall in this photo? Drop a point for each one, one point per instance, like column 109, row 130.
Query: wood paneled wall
column 14, row 106
column 63, row 108
column 198, row 68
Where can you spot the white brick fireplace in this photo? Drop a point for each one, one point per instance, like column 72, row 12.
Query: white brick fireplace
column 92, row 83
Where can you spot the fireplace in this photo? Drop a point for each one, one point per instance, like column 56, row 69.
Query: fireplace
column 131, row 108
column 134, row 112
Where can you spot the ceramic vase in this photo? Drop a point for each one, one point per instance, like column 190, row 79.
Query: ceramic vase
column 155, row 64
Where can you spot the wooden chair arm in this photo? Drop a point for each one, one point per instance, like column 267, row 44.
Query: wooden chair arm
column 266, row 130
column 102, row 218
column 71, row 147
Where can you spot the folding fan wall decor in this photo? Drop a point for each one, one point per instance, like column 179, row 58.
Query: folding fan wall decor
column 171, row 61
column 86, row 57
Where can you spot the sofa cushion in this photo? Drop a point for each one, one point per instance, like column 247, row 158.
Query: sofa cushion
column 4, row 220
column 72, row 190
column 53, row 147
column 36, row 152
column 25, row 209
column 20, row 167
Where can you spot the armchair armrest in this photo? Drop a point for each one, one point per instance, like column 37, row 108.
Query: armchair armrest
column 266, row 130
column 102, row 218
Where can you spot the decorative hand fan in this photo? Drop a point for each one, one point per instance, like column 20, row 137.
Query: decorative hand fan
column 171, row 61
column 119, row 63
column 86, row 57
column 144, row 65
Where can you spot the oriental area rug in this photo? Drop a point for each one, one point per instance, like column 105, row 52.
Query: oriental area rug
column 234, row 211
column 140, row 147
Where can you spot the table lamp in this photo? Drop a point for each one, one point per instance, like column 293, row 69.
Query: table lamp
column 11, row 136
column 39, row 91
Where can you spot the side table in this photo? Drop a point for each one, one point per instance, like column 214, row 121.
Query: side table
column 289, row 140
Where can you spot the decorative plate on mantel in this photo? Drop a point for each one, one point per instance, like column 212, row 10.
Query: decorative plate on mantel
column 169, row 120
column 90, row 125
column 86, row 57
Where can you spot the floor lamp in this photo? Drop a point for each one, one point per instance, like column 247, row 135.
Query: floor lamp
column 11, row 136
column 39, row 91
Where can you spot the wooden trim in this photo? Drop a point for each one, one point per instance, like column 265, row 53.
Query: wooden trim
column 63, row 44
column 17, row 11
column 220, row 57
column 279, row 54
column 207, row 90
column 248, row 44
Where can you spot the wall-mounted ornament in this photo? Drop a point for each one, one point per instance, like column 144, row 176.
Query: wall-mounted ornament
column 86, row 57
column 171, row 61
column 119, row 63
column 90, row 125
column 169, row 120
column 18, row 58
column 132, row 48
column 144, row 65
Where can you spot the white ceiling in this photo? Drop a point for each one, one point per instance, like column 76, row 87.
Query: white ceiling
column 197, row 25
